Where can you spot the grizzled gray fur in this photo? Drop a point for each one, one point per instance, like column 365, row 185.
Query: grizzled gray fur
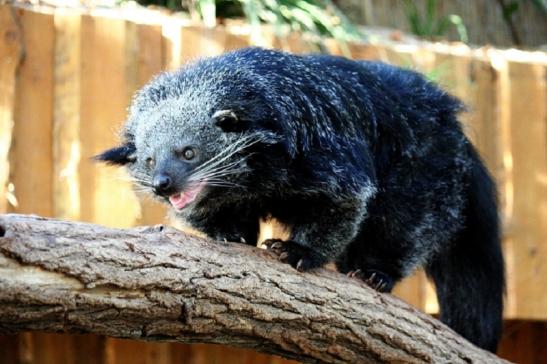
column 367, row 163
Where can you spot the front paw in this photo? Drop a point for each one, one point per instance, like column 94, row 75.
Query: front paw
column 232, row 238
column 300, row 257
column 380, row 281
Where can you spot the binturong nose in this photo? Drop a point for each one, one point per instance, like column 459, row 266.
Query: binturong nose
column 162, row 183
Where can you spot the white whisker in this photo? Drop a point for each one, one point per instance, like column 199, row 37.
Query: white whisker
column 228, row 152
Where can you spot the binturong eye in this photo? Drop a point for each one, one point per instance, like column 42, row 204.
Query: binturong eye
column 188, row 153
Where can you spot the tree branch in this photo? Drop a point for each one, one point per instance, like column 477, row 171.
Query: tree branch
column 158, row 283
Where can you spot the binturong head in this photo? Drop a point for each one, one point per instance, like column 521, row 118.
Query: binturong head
column 193, row 136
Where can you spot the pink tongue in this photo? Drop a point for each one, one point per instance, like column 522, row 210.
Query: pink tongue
column 180, row 200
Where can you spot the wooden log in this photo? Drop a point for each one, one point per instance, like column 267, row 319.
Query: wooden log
column 157, row 283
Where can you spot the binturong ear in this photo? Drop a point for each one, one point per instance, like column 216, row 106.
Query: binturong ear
column 118, row 156
column 227, row 120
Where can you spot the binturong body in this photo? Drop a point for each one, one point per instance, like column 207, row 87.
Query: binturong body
column 365, row 162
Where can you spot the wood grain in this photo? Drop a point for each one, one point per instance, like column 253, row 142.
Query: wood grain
column 11, row 54
column 161, row 284
column 528, row 108
column 31, row 156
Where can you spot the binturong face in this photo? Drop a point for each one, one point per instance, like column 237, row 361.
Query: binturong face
column 198, row 134
column 184, row 155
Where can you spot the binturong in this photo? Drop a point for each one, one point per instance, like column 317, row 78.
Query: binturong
column 365, row 162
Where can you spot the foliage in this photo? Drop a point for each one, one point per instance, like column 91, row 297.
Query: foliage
column 318, row 18
column 541, row 5
column 431, row 24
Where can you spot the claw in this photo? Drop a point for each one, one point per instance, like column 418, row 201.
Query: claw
column 377, row 280
column 301, row 265
column 354, row 273
column 269, row 243
column 300, row 257
column 370, row 280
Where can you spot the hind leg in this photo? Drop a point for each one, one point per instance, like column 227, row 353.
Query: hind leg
column 379, row 263
column 376, row 279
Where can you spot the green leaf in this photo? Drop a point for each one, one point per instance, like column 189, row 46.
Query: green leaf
column 207, row 9
column 460, row 27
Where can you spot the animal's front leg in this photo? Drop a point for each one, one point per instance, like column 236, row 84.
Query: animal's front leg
column 297, row 255
column 318, row 236
column 228, row 225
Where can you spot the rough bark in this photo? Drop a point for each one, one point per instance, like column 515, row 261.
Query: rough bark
column 157, row 283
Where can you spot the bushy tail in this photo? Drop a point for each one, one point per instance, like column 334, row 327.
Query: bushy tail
column 469, row 276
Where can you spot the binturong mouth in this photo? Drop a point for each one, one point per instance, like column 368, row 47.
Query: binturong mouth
column 182, row 199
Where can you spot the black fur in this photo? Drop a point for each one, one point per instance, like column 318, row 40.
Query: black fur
column 367, row 163
column 117, row 156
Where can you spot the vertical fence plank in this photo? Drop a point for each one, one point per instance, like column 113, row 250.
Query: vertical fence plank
column 451, row 70
column 158, row 353
column 50, row 348
column 31, row 152
column 150, row 54
column 10, row 57
column 66, row 115
column 87, row 104
column 24, row 348
column 483, row 126
column 9, row 348
column 524, row 342
column 235, row 41
column 405, row 57
column 121, row 351
column 109, row 200
column 506, row 189
column 421, row 58
column 412, row 290
column 194, row 44
column 183, row 353
column 364, row 51
column 280, row 360
column 187, row 43
column 171, row 44
column 89, row 349
column 528, row 111
column 198, row 42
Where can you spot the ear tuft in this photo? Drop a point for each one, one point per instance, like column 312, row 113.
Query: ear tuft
column 118, row 156
column 227, row 120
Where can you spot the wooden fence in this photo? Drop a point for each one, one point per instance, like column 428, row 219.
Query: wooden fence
column 67, row 76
